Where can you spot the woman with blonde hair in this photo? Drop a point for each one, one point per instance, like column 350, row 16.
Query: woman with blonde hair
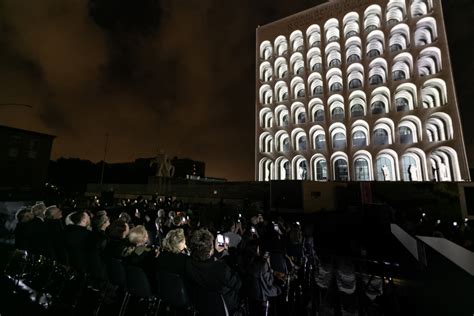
column 139, row 253
column 173, row 255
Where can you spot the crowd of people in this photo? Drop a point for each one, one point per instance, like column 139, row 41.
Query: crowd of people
column 223, row 265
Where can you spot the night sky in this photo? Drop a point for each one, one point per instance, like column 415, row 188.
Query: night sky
column 177, row 75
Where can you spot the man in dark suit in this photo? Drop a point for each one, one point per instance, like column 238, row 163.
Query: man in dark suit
column 54, row 243
column 210, row 280
column 37, row 230
column 76, row 238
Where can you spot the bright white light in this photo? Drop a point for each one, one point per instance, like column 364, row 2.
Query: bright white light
column 455, row 224
column 424, row 214
column 438, row 222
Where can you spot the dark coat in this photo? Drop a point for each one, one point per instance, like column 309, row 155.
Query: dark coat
column 76, row 242
column 37, row 236
column 96, row 244
column 116, row 248
column 208, row 280
column 22, row 236
column 54, row 243
column 258, row 281
column 171, row 262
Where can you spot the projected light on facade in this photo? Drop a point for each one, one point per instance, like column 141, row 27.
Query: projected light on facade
column 358, row 91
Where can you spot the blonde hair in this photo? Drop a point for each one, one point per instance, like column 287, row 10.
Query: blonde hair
column 173, row 239
column 138, row 235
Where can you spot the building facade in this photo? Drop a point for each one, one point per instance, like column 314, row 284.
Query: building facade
column 358, row 91
column 24, row 159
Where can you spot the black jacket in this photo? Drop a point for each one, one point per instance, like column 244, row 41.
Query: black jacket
column 76, row 242
column 258, row 281
column 22, row 236
column 54, row 243
column 210, row 279
column 171, row 262
column 37, row 236
column 95, row 247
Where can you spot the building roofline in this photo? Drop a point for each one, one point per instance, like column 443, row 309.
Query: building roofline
column 25, row 131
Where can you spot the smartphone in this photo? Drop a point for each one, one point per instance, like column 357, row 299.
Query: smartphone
column 226, row 240
column 240, row 215
column 298, row 223
column 275, row 227
column 220, row 240
column 238, row 221
column 252, row 229
column 183, row 220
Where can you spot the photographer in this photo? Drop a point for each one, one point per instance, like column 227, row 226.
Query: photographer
column 210, row 278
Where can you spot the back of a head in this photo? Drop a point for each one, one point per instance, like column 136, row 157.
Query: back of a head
column 138, row 235
column 99, row 219
column 118, row 229
column 201, row 244
column 49, row 212
column 38, row 209
column 177, row 220
column 173, row 239
column 125, row 217
column 77, row 217
column 23, row 214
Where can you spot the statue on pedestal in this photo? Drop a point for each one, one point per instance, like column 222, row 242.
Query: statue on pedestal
column 164, row 168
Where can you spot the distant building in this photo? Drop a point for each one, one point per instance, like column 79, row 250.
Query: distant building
column 24, row 159
column 187, row 168
column 358, row 91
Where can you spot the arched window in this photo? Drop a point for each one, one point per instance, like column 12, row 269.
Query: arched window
column 338, row 135
column 385, row 168
column 321, row 170
column 353, row 49
column 266, row 142
column 281, row 45
column 375, row 43
column 266, row 71
column 439, row 127
column 313, row 33
column 429, row 61
column 297, row 41
column 409, row 129
column 399, row 37
column 402, row 67
column 299, row 112
column 378, row 71
column 316, row 109
column 282, row 141
column 318, row 137
column 299, row 138
column 266, row 170
column 333, row 55
column 351, row 24
column 297, row 64
column 360, row 132
column 361, row 169
column 413, row 165
column 405, row 97
column 356, row 76
column 341, row 172
column 281, row 67
column 434, row 93
column 266, row 94
column 266, row 50
column 300, row 168
column 297, row 87
column 314, row 59
column 336, row 106
column 357, row 103
column 315, row 84
column 281, row 91
column 445, row 164
column 282, row 169
column 282, row 115
column 372, row 18
column 334, row 78
column 426, row 31
column 266, row 118
column 396, row 11
column 383, row 132
column 331, row 28
column 380, row 101
column 421, row 7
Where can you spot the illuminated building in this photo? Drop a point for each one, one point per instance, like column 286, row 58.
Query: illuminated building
column 358, row 91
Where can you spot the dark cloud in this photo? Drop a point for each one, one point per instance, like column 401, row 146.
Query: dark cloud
column 174, row 75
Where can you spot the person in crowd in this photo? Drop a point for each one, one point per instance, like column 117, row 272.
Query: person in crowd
column 97, row 243
column 76, row 239
column 173, row 253
column 295, row 242
column 138, row 253
column 233, row 232
column 22, row 231
column 160, row 226
column 125, row 217
column 54, row 227
column 210, row 280
column 258, row 283
column 37, row 230
column 118, row 242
